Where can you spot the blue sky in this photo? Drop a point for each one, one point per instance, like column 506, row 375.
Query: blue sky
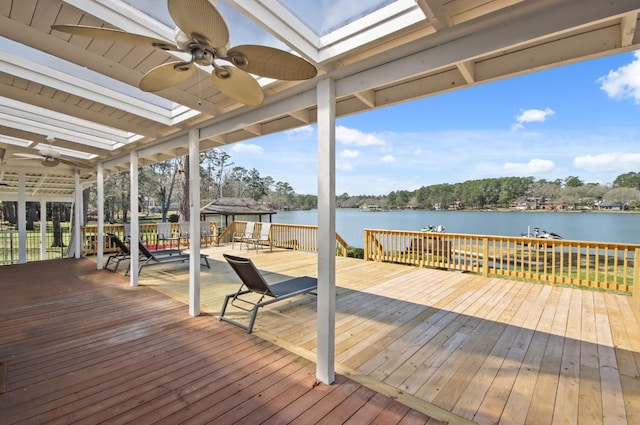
column 578, row 120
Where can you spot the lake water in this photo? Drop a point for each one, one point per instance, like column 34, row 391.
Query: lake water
column 589, row 226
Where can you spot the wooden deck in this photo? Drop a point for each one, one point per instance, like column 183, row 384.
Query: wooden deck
column 79, row 345
column 459, row 347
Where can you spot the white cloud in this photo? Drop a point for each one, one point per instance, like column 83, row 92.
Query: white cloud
column 533, row 167
column 305, row 131
column 532, row 115
column 388, row 158
column 349, row 153
column 247, row 148
column 624, row 82
column 344, row 166
column 351, row 136
column 614, row 161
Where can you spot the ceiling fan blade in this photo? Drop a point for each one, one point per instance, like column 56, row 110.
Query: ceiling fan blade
column 271, row 63
column 238, row 85
column 27, row 156
column 166, row 75
column 115, row 35
column 199, row 20
column 73, row 163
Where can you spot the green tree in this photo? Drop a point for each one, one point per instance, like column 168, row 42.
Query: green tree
column 573, row 181
column 630, row 179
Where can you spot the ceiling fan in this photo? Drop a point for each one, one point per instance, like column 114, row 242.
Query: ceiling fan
column 202, row 32
column 50, row 157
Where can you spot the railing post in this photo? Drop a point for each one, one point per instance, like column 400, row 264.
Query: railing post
column 636, row 284
column 366, row 245
column 485, row 257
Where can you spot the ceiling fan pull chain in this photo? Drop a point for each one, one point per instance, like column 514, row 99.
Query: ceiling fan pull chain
column 199, row 90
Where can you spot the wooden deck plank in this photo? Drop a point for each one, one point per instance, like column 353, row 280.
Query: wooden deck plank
column 491, row 359
column 590, row 401
column 499, row 351
column 432, row 336
column 567, row 396
column 474, row 354
column 611, row 383
column 453, row 360
column 520, row 400
column 86, row 348
column 526, row 319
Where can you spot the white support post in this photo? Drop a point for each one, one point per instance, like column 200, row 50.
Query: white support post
column 79, row 243
column 43, row 230
column 135, row 222
column 325, row 369
column 194, row 222
column 100, row 233
column 22, row 218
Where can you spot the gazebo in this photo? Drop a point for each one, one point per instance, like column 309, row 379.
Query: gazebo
column 235, row 206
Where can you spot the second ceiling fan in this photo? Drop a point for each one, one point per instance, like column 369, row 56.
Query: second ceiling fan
column 202, row 32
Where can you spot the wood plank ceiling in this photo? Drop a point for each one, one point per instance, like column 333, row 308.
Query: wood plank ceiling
column 83, row 91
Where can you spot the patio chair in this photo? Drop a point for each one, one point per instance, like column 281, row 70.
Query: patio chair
column 263, row 236
column 254, row 283
column 164, row 235
column 206, row 234
column 184, row 232
column 164, row 256
column 243, row 236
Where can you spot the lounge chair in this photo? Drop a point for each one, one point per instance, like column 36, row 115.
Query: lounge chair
column 164, row 256
column 254, row 283
column 263, row 237
column 123, row 255
column 243, row 236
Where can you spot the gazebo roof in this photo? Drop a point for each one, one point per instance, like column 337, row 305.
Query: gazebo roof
column 236, row 206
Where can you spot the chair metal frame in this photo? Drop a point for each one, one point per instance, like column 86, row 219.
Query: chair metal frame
column 254, row 283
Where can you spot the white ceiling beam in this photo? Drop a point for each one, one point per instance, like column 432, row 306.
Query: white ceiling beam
column 125, row 17
column 628, row 27
column 467, row 69
column 387, row 20
column 84, row 130
column 265, row 112
column 368, row 97
column 48, row 77
column 435, row 13
column 282, row 24
column 545, row 19
column 301, row 115
column 255, row 129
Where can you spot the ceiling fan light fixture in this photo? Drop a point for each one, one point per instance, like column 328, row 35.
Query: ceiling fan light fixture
column 50, row 162
column 182, row 67
column 238, row 60
column 202, row 57
column 222, row 72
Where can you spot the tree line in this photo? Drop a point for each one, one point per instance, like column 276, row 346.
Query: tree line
column 163, row 189
column 505, row 192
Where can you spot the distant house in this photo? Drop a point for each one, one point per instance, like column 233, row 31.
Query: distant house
column 371, row 207
column 612, row 205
